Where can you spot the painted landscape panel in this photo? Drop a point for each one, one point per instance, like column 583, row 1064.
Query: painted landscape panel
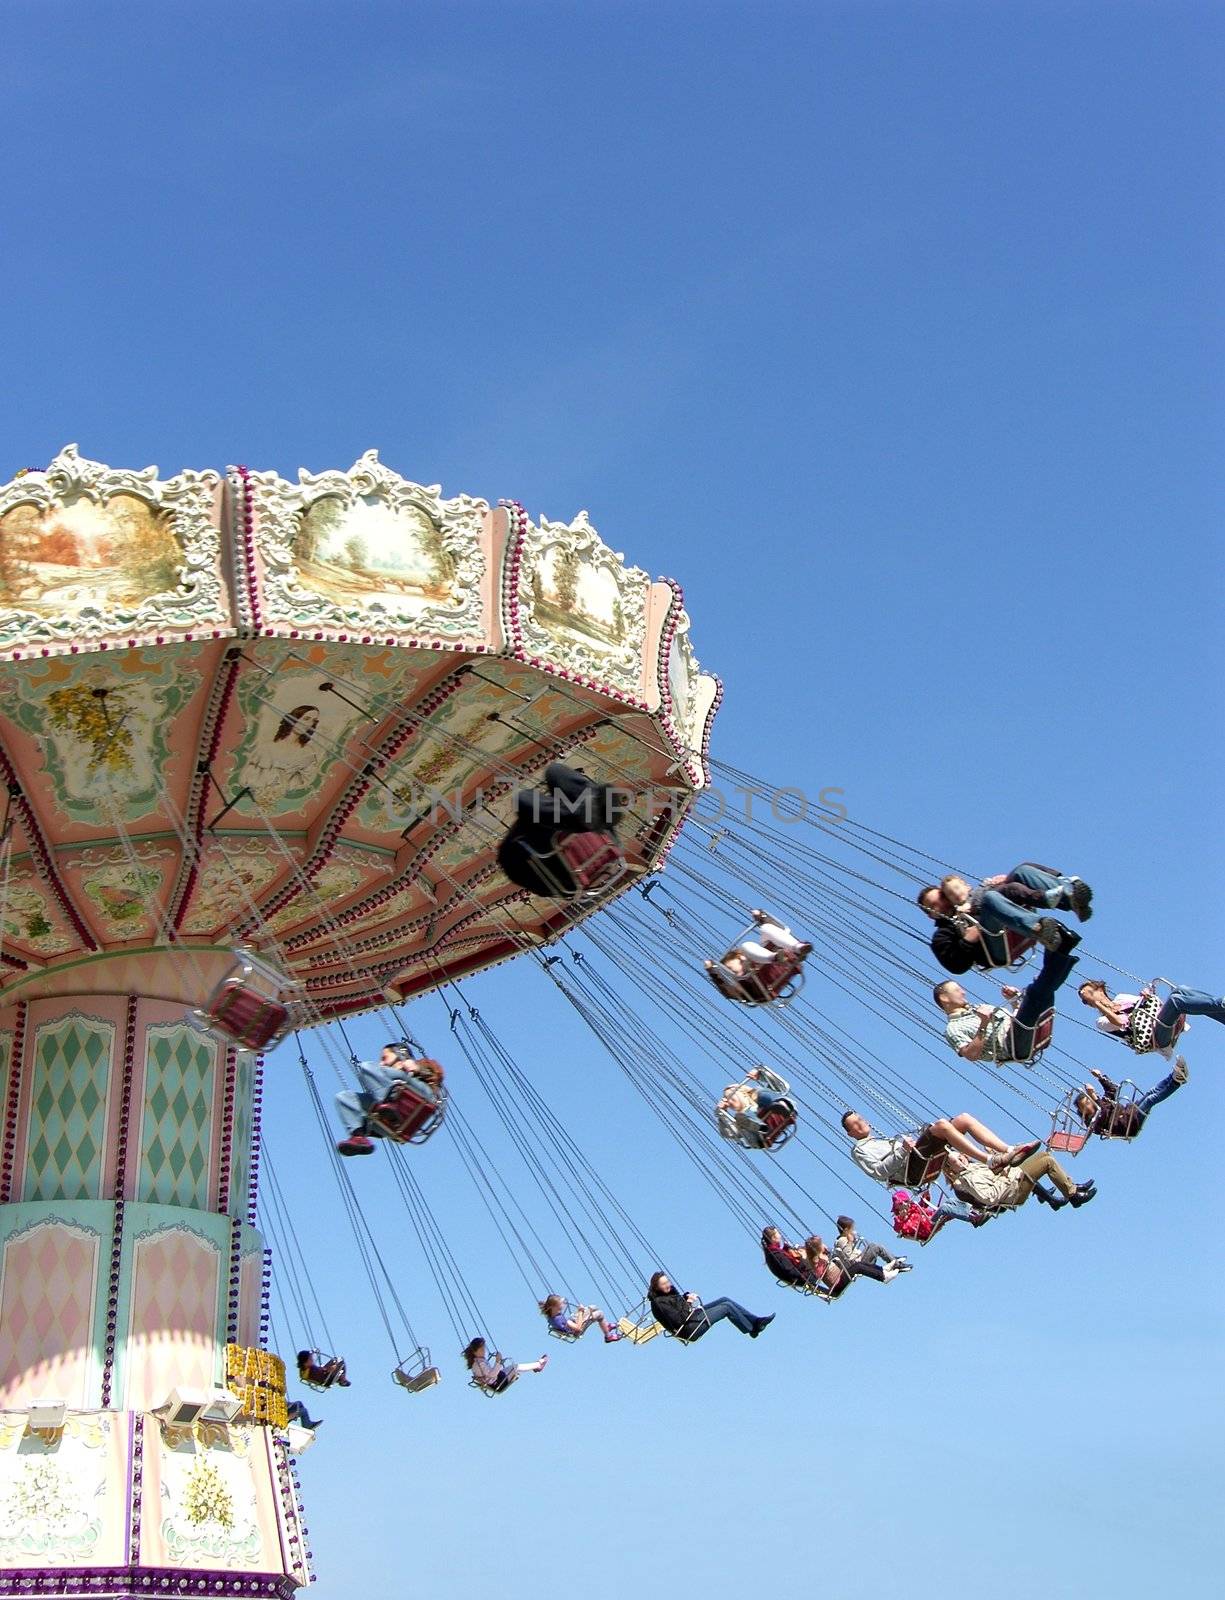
column 58, row 560
column 370, row 551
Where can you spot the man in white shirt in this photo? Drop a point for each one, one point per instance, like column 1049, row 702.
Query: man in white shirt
column 913, row 1160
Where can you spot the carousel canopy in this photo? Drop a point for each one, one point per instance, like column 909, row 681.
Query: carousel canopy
column 238, row 710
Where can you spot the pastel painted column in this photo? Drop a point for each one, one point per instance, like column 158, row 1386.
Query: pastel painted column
column 127, row 1262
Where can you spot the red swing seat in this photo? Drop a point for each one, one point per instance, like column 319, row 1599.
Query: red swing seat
column 1018, row 945
column 408, row 1115
column 594, row 860
column 771, row 983
column 779, row 1124
column 247, row 1008
column 1043, row 1029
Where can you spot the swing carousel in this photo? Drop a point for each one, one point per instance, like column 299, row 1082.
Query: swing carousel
column 260, row 741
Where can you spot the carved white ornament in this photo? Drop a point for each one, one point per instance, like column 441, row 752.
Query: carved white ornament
column 602, row 631
column 199, row 597
column 289, row 598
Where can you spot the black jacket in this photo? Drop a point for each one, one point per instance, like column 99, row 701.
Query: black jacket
column 954, row 953
column 568, row 802
column 676, row 1314
column 783, row 1267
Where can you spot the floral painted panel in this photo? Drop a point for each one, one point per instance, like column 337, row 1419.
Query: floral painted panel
column 56, row 1493
column 102, row 726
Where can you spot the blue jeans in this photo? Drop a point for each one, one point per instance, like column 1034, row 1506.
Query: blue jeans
column 377, row 1083
column 1185, row 1003
column 1054, row 885
column 1037, row 999
column 1153, row 1097
column 956, row 1210
column 995, row 912
column 716, row 1310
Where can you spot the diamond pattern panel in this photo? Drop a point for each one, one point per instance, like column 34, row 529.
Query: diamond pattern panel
column 47, row 1287
column 177, row 1128
column 66, row 1138
column 173, row 1321
column 240, row 1170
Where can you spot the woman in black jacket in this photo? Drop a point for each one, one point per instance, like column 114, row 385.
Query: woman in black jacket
column 685, row 1317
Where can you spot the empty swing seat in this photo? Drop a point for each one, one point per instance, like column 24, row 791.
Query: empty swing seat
column 417, row 1373
column 409, row 1115
column 1067, row 1141
column 247, row 1008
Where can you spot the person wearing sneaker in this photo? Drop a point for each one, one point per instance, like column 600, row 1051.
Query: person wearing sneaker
column 994, row 1188
column 1102, row 1114
column 573, row 1324
column 687, row 1318
column 738, row 1114
column 993, row 1033
column 837, row 1274
column 914, row 1216
column 379, row 1079
column 1015, row 900
column 915, row 1159
column 496, row 1372
column 850, row 1247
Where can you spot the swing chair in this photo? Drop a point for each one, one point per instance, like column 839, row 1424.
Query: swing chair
column 503, row 1379
column 936, row 1199
column 1007, row 948
column 411, row 1113
column 416, row 1372
column 759, row 983
column 590, row 863
column 248, row 1007
column 639, row 1325
column 1039, row 1039
column 808, row 1286
column 777, row 1123
column 322, row 1371
column 1141, row 1035
column 1069, row 1131
column 569, row 1313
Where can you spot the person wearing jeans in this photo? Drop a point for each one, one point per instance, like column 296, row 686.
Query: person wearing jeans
column 378, row 1081
column 740, row 1111
column 1105, row 1116
column 1185, row 1003
column 1015, row 902
column 992, row 1033
column 687, row 1318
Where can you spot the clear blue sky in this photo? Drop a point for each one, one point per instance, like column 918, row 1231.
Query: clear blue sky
column 893, row 332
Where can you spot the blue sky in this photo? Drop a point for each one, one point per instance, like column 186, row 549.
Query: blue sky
column 893, row 332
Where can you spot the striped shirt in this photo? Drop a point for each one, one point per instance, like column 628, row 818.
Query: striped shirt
column 963, row 1025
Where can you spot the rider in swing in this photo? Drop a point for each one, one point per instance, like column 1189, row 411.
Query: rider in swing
column 379, row 1081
